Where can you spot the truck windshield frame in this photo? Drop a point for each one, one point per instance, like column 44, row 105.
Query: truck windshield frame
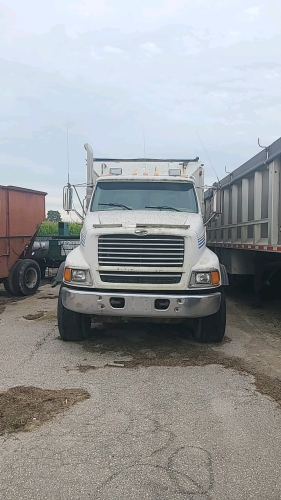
column 144, row 195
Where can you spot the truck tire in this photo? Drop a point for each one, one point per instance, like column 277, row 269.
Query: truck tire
column 212, row 328
column 73, row 326
column 27, row 277
column 10, row 285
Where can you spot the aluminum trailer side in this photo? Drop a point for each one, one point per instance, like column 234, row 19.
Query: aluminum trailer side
column 21, row 213
column 246, row 236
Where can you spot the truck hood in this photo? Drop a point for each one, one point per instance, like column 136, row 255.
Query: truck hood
column 143, row 217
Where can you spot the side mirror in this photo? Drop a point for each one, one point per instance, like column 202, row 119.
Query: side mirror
column 213, row 205
column 217, row 202
column 67, row 198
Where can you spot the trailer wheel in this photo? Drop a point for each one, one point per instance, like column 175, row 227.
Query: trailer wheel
column 10, row 285
column 27, row 277
column 73, row 326
column 212, row 328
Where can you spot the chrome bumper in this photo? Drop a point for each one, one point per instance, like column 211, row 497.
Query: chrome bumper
column 140, row 305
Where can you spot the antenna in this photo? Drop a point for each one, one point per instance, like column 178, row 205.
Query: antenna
column 208, row 156
column 67, row 152
column 144, row 142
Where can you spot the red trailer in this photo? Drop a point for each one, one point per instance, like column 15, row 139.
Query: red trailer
column 21, row 213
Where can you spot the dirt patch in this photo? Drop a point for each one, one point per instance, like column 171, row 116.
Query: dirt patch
column 163, row 345
column 2, row 308
column 37, row 315
column 25, row 408
column 86, row 368
column 81, row 368
column 48, row 297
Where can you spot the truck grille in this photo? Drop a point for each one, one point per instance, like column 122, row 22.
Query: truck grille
column 137, row 278
column 141, row 251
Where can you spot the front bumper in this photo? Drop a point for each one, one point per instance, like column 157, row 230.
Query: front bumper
column 140, row 305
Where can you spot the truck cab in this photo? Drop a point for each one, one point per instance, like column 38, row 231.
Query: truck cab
column 142, row 252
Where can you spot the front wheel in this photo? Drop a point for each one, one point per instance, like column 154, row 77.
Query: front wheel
column 212, row 328
column 72, row 325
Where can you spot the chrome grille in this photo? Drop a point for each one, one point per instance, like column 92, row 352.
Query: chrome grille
column 143, row 278
column 140, row 251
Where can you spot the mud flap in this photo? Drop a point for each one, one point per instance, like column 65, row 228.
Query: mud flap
column 59, row 276
column 224, row 275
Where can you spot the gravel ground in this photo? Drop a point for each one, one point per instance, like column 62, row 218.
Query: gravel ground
column 139, row 411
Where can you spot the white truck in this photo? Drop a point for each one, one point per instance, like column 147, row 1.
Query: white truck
column 142, row 252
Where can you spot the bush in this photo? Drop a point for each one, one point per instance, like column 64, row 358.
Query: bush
column 48, row 228
column 74, row 227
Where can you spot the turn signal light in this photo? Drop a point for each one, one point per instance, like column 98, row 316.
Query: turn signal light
column 215, row 277
column 67, row 274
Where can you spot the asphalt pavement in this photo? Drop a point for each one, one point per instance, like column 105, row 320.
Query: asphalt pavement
column 167, row 419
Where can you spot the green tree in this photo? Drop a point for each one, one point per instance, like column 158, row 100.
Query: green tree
column 53, row 216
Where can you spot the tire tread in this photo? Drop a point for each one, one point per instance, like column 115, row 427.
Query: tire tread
column 19, row 277
column 212, row 328
column 73, row 326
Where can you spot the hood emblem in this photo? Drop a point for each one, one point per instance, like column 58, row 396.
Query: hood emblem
column 141, row 232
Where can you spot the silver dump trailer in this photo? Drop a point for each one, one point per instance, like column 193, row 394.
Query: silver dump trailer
column 246, row 235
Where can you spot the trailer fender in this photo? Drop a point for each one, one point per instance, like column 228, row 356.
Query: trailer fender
column 224, row 275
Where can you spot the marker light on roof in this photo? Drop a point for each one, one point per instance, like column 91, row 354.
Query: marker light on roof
column 116, row 171
column 174, row 171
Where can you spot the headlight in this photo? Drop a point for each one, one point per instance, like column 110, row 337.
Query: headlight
column 76, row 275
column 209, row 278
column 203, row 278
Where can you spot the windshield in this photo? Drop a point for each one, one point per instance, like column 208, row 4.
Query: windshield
column 138, row 195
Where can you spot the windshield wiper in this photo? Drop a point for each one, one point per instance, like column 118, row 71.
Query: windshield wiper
column 116, row 205
column 164, row 207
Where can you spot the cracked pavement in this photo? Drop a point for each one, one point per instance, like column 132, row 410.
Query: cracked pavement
column 156, row 430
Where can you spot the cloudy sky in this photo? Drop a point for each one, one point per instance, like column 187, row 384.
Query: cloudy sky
column 114, row 69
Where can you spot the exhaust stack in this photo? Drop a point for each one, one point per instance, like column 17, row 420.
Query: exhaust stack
column 90, row 161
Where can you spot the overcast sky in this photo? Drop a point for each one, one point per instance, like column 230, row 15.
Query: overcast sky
column 114, row 69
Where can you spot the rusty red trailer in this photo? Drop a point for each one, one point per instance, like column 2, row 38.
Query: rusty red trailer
column 21, row 213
